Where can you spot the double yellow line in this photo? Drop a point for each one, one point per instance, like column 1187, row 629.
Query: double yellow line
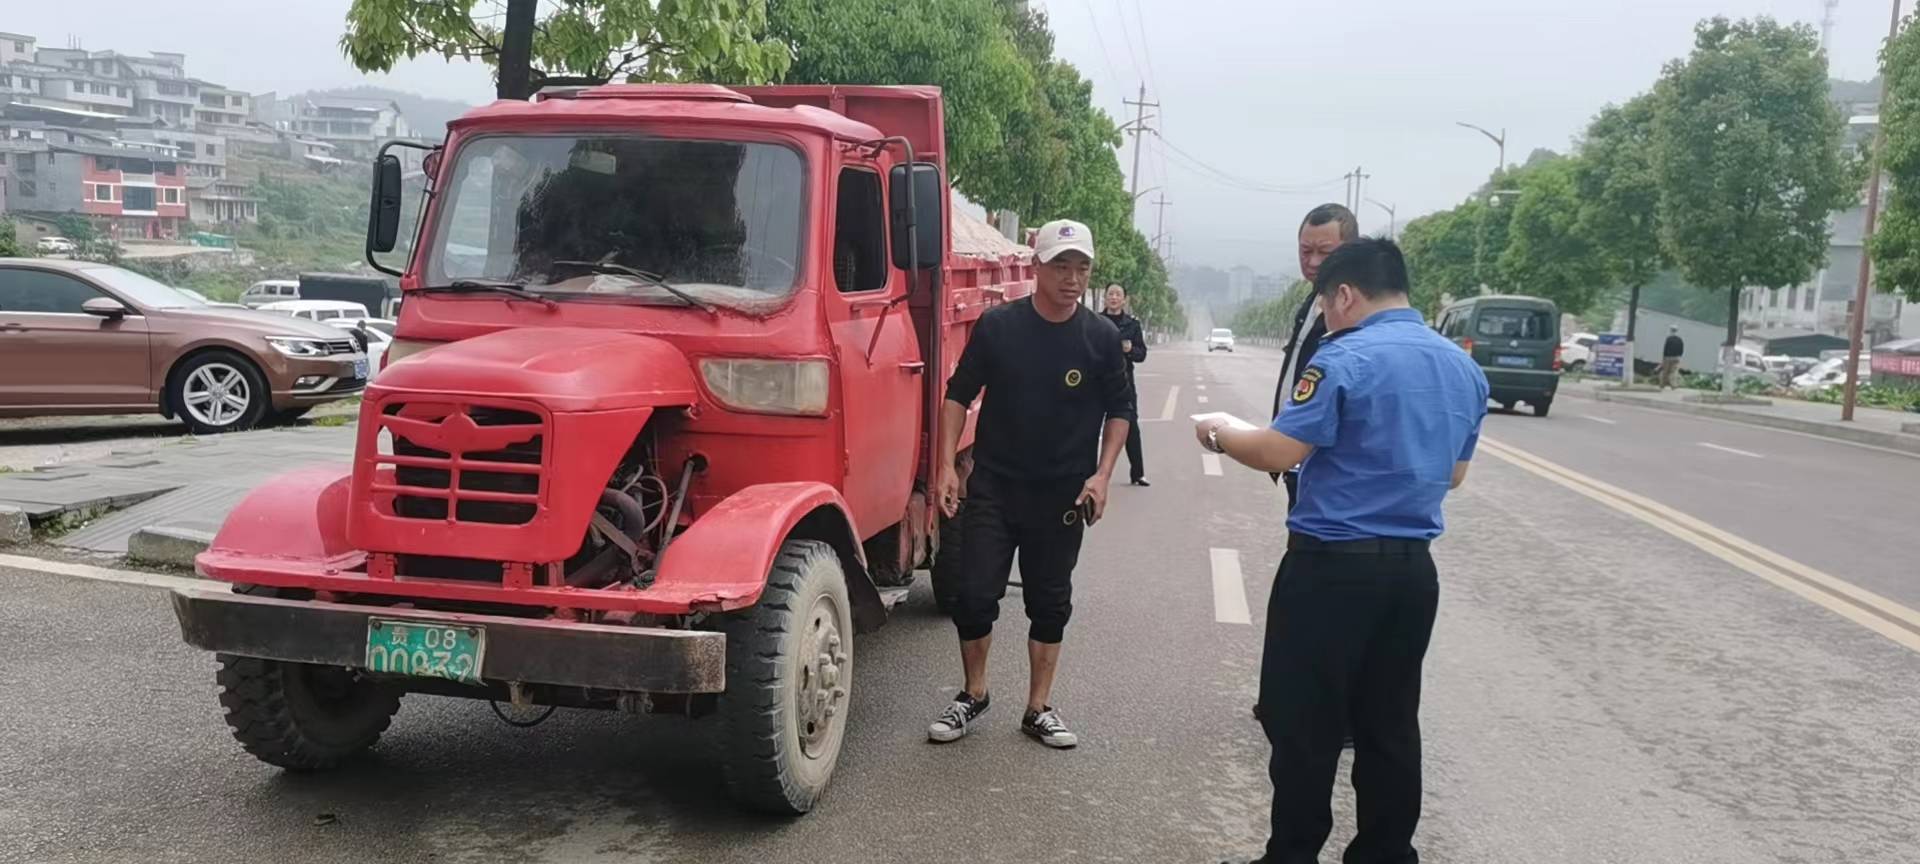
column 1850, row 601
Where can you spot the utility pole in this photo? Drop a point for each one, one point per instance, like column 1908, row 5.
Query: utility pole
column 1355, row 179
column 1856, row 328
column 1160, row 221
column 1138, row 129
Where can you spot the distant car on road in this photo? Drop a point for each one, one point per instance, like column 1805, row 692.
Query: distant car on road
column 318, row 310
column 1830, row 373
column 270, row 291
column 1516, row 341
column 1576, row 354
column 85, row 338
column 1221, row 339
column 55, row 246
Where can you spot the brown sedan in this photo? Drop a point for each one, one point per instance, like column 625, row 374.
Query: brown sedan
column 84, row 338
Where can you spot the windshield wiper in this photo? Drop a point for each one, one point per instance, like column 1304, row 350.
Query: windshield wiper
column 660, row 282
column 490, row 286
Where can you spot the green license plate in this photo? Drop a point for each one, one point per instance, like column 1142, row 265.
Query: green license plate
column 426, row 649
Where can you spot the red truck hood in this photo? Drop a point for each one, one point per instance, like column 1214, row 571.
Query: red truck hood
column 563, row 368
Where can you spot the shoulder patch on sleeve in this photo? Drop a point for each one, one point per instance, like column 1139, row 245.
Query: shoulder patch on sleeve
column 1308, row 384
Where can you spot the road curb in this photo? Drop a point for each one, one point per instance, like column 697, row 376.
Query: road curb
column 168, row 545
column 15, row 528
column 1902, row 441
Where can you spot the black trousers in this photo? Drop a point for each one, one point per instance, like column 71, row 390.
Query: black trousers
column 1136, row 463
column 1040, row 523
column 1347, row 634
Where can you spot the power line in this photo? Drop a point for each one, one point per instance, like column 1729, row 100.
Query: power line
column 1199, row 165
column 1146, row 45
column 1121, row 13
column 1106, row 57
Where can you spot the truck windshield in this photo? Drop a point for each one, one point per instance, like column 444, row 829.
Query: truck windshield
column 718, row 220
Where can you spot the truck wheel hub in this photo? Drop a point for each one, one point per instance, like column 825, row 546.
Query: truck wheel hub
column 820, row 697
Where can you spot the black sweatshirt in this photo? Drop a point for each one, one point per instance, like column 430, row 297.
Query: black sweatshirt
column 1675, row 347
column 1050, row 390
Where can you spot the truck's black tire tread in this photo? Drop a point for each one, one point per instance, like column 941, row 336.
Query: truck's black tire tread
column 254, row 693
column 753, row 734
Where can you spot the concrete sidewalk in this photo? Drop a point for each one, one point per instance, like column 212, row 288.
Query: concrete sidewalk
column 177, row 495
column 1894, row 430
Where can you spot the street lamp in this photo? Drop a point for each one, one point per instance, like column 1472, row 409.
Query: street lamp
column 1499, row 140
column 1393, row 222
column 1480, row 232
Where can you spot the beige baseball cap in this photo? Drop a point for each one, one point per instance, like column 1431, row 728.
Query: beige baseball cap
column 1059, row 236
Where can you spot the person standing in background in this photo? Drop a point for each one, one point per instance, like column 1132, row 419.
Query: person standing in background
column 1324, row 229
column 1670, row 355
column 1133, row 343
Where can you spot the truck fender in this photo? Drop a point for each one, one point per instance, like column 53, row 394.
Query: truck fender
column 721, row 562
column 300, row 515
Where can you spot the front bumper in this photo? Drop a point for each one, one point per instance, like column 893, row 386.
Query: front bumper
column 303, row 381
column 523, row 650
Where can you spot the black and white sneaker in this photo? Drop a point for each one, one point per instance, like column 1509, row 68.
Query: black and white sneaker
column 1047, row 726
column 960, row 714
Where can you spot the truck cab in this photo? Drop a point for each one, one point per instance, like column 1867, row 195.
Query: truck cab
column 655, row 430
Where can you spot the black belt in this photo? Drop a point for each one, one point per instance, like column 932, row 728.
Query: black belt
column 1368, row 546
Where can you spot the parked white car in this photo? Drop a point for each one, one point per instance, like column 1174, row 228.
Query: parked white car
column 379, row 334
column 55, row 246
column 1830, row 373
column 324, row 311
column 1576, row 353
column 1221, row 339
column 270, row 291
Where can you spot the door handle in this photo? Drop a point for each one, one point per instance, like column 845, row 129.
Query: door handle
column 914, row 366
column 11, row 328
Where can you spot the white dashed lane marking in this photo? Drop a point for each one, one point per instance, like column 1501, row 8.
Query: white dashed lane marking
column 1745, row 453
column 1229, row 588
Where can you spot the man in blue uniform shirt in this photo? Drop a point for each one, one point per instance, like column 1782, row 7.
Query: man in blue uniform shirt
column 1382, row 424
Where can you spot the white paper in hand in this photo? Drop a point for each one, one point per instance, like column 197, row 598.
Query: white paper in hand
column 1231, row 421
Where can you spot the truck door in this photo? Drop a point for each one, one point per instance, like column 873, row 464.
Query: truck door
column 878, row 356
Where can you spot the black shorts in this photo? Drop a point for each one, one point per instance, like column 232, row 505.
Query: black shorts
column 1041, row 523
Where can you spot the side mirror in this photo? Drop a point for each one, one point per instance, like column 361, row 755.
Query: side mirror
column 383, row 213
column 105, row 307
column 923, row 246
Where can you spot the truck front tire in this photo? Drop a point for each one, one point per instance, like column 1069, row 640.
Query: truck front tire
column 783, row 716
column 299, row 716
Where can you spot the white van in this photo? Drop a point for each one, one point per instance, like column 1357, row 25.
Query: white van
column 270, row 291
column 327, row 311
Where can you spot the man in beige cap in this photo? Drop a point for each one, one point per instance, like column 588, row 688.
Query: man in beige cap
column 1057, row 408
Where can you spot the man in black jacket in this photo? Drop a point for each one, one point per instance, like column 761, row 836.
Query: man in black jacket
column 1670, row 355
column 1325, row 228
column 1133, row 343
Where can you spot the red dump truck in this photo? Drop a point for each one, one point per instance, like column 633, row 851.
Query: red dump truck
column 656, row 433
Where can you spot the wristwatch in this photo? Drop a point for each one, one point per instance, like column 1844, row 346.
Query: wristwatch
column 1213, row 440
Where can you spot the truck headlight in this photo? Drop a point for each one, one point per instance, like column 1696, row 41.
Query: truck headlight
column 768, row 386
column 299, row 346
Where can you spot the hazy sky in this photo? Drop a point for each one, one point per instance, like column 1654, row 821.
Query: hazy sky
column 1286, row 93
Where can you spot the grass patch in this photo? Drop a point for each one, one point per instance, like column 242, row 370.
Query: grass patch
column 332, row 421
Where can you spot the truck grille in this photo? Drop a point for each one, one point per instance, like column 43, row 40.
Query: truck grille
column 463, row 462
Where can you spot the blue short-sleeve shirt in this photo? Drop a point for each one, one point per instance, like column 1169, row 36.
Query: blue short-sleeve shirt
column 1389, row 407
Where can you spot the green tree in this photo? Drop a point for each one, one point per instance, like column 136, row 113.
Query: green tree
column 9, row 242
column 1548, row 251
column 1440, row 255
column 964, row 46
column 578, row 41
column 1896, row 240
column 1620, row 197
column 1747, row 156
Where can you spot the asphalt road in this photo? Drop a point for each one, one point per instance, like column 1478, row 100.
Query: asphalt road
column 1606, row 684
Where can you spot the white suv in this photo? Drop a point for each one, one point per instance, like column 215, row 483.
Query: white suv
column 1221, row 339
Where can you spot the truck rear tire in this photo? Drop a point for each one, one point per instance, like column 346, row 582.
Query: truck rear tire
column 299, row 716
column 783, row 716
column 946, row 563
